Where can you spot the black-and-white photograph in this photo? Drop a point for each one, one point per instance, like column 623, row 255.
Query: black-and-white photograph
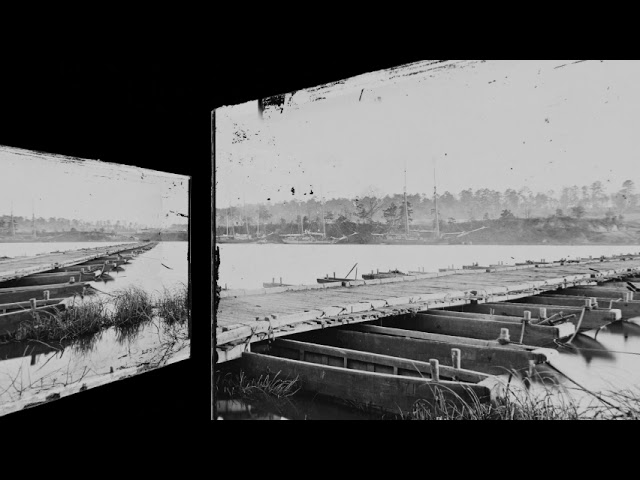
column 94, row 277
column 443, row 239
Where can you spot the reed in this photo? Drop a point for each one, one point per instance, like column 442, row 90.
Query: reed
column 126, row 310
column 173, row 306
column 549, row 405
column 238, row 385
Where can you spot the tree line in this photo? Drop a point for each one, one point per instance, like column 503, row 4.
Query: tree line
column 466, row 206
column 53, row 224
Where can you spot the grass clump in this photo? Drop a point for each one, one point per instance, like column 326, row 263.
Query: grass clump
column 173, row 306
column 127, row 310
column 238, row 385
column 548, row 405
column 129, row 307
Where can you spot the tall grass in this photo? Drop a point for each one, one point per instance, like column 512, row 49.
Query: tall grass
column 127, row 310
column 547, row 405
column 173, row 306
column 238, row 385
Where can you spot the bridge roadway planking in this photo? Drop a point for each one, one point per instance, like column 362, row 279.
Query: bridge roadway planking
column 22, row 266
column 241, row 319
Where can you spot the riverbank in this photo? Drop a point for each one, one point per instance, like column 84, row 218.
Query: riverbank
column 74, row 237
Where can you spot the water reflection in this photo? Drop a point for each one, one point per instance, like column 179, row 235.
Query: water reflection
column 30, row 369
column 588, row 348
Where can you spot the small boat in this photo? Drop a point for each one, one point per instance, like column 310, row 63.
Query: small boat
column 389, row 274
column 589, row 320
column 9, row 307
column 238, row 238
column 76, row 268
column 306, row 238
column 115, row 258
column 381, row 382
column 487, row 356
column 115, row 263
column 328, row 279
column 628, row 309
column 10, row 322
column 274, row 285
column 483, row 327
column 61, row 290
column 51, row 278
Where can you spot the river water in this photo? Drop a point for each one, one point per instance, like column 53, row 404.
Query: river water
column 32, row 371
column 599, row 361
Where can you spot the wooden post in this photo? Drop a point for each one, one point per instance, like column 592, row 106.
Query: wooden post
column 46, row 294
column 532, row 366
column 33, row 303
column 435, row 369
column 503, row 339
column 455, row 357
column 543, row 313
column 587, row 302
column 525, row 321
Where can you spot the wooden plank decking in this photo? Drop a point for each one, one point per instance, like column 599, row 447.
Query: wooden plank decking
column 22, row 266
column 245, row 316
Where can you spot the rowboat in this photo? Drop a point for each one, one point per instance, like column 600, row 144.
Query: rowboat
column 77, row 268
column 588, row 320
column 487, row 356
column 115, row 263
column 481, row 326
column 348, row 375
column 389, row 274
column 9, row 307
column 333, row 279
column 114, row 257
column 61, row 290
column 10, row 322
column 628, row 308
column 51, row 278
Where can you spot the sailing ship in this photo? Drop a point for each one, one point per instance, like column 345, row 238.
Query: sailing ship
column 235, row 237
column 316, row 238
column 417, row 237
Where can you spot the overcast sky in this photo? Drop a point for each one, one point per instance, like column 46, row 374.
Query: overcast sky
column 493, row 124
column 57, row 186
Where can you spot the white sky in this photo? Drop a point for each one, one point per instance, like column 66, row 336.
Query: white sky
column 57, row 186
column 495, row 124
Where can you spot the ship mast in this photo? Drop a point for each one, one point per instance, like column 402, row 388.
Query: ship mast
column 435, row 201
column 33, row 220
column 324, row 228
column 300, row 216
column 244, row 211
column 13, row 227
column 406, row 209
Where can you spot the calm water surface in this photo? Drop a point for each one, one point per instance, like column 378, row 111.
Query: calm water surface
column 600, row 361
column 32, row 369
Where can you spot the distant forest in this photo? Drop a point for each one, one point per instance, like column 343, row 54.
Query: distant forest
column 388, row 212
column 22, row 225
